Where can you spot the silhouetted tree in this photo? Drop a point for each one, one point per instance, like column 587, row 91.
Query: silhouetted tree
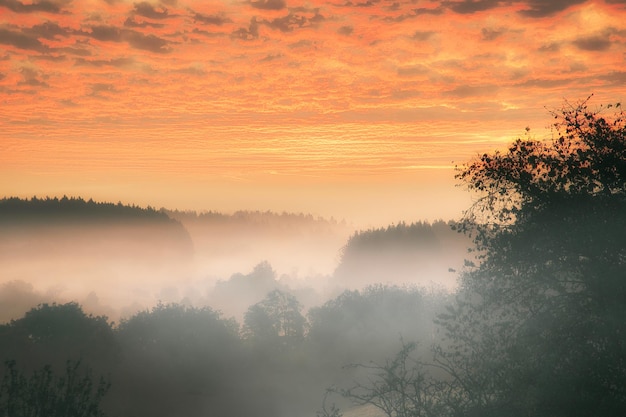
column 538, row 327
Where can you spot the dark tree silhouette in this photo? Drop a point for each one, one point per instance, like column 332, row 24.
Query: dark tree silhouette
column 538, row 328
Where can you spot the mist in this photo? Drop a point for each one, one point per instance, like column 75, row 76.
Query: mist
column 117, row 260
column 122, row 271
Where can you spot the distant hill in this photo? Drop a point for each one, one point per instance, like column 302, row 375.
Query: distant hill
column 417, row 253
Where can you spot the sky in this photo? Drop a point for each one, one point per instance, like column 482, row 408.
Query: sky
column 353, row 109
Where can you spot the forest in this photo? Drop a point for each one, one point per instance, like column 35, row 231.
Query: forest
column 534, row 327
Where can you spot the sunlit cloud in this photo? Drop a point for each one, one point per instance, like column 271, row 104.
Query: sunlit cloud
column 179, row 71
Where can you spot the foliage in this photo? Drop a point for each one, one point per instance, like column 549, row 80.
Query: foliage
column 177, row 360
column 372, row 319
column 536, row 328
column 276, row 320
column 418, row 251
column 53, row 333
column 43, row 394
column 585, row 162
column 73, row 209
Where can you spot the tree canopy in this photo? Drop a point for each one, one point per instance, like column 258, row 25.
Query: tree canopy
column 536, row 328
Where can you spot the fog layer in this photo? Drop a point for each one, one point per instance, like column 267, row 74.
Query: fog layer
column 117, row 260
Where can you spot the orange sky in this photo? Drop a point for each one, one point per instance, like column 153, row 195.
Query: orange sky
column 357, row 109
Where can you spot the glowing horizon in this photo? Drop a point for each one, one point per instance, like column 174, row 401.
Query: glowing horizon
column 354, row 109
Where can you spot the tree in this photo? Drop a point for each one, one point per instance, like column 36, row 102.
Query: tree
column 177, row 360
column 361, row 328
column 401, row 387
column 538, row 327
column 43, row 394
column 50, row 334
column 276, row 321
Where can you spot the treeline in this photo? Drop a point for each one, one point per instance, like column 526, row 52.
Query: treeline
column 181, row 360
column 35, row 226
column 252, row 217
column 73, row 209
column 418, row 252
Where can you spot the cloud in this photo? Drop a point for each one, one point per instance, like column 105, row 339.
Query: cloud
column 54, row 58
column 206, row 33
column 32, row 7
column 368, row 3
column 393, row 7
column 615, row 78
column 491, row 34
column 192, row 70
column 21, row 41
column 415, row 13
column 97, row 89
column 593, row 43
column 464, row 91
column 32, row 78
column 137, row 40
column 271, row 57
column 411, row 71
column 419, row 35
column 345, row 30
column 76, row 51
column 252, row 32
column 213, row 19
column 405, row 94
column 544, row 8
column 106, row 33
column 287, row 23
column 115, row 62
column 303, row 43
column 545, row 82
column 151, row 43
column 550, row 47
column 269, row 4
column 48, row 30
column 471, row 6
column 131, row 23
column 426, row 11
column 146, row 9
column 535, row 8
